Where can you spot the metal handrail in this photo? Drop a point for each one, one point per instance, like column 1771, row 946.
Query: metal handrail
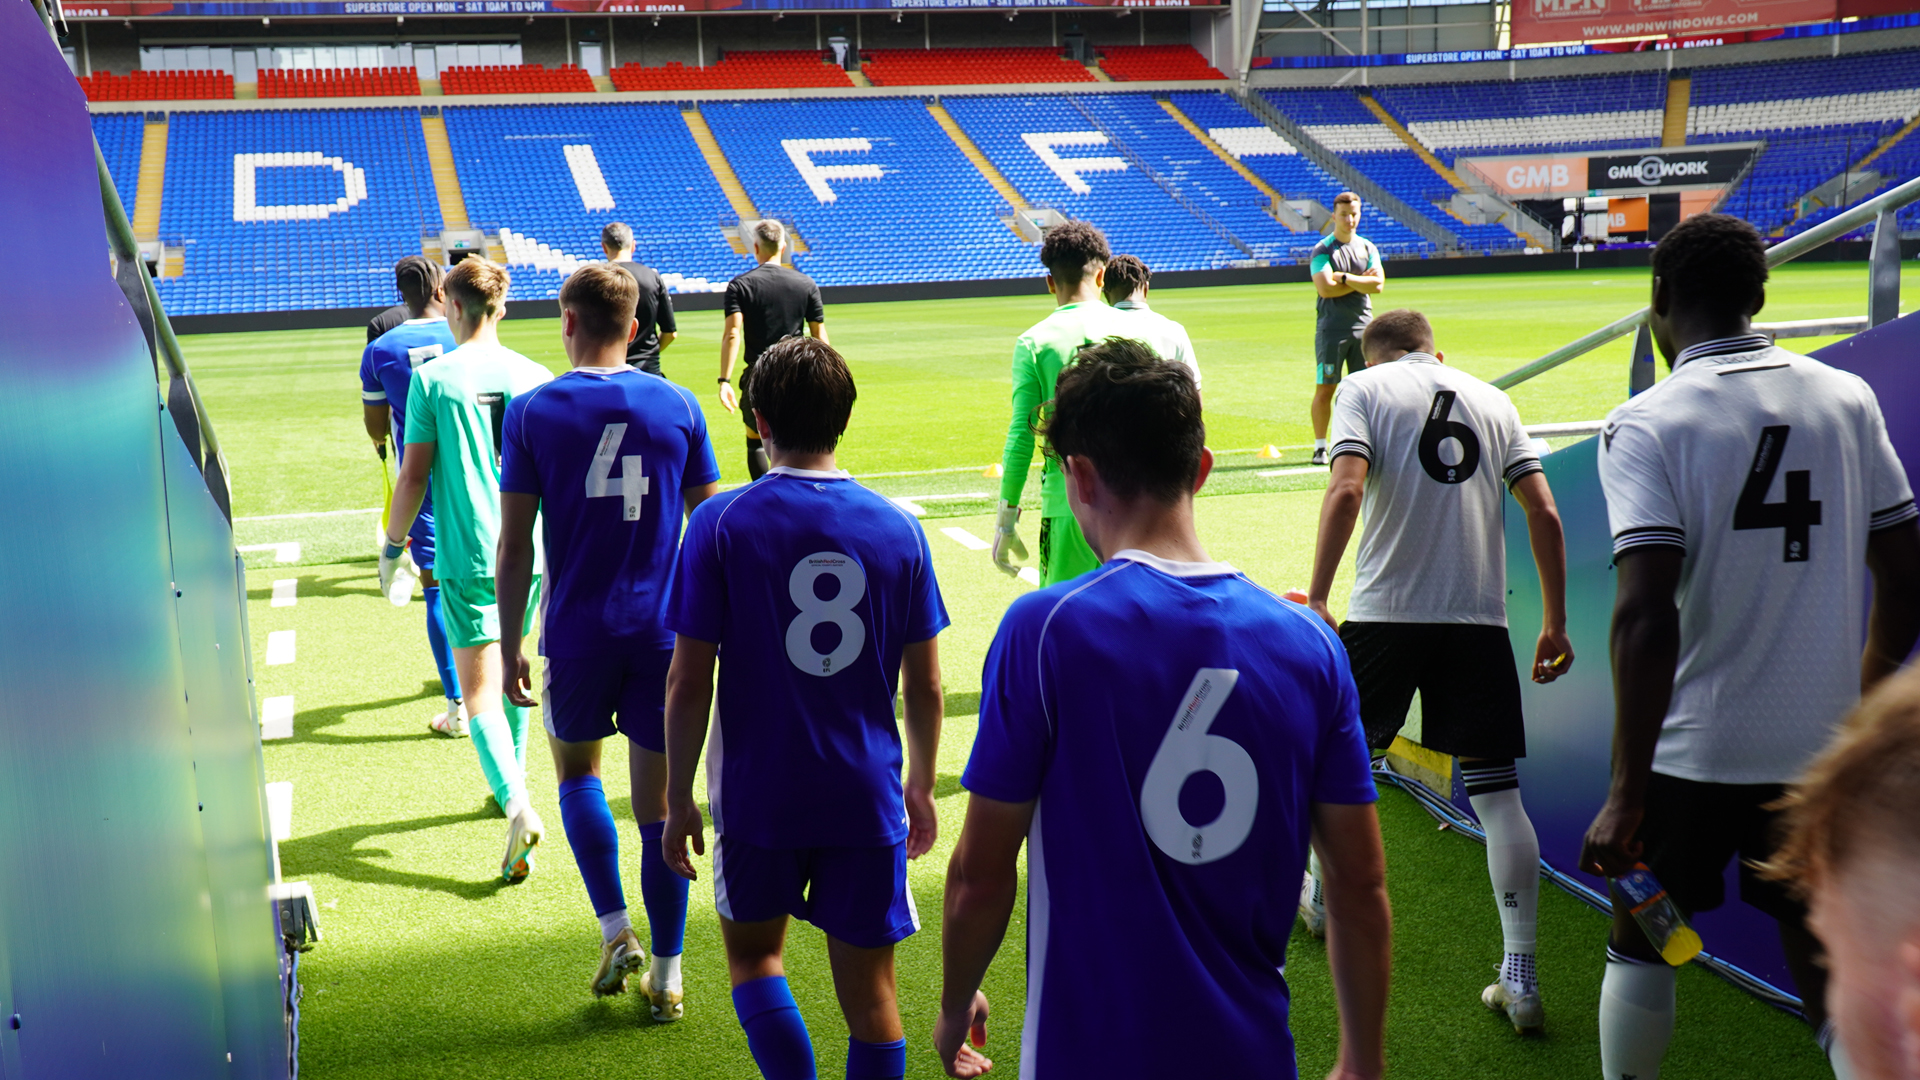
column 1785, row 251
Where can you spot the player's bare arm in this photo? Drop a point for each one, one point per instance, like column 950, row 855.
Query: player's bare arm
column 1893, row 624
column 983, row 880
column 689, row 702
column 818, row 331
column 513, row 578
column 730, row 334
column 1330, row 283
column 925, row 709
column 376, row 418
column 1359, row 932
column 694, row 496
column 409, row 491
column 1646, row 652
column 1339, row 511
column 1553, row 655
column 667, row 338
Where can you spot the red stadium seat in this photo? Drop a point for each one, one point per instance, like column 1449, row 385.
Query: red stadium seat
column 157, row 86
column 954, row 67
column 516, row 79
column 1137, row 63
column 772, row 69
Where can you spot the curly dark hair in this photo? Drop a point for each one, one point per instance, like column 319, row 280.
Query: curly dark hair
column 1072, row 250
column 1126, row 275
column 1134, row 415
column 1713, row 264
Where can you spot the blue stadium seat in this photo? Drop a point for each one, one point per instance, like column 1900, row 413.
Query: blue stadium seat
column 120, row 136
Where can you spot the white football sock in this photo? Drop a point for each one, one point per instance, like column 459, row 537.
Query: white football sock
column 612, row 923
column 665, row 973
column 1319, row 897
column 1636, row 1018
column 1319, row 444
column 1829, row 1039
column 1513, row 864
column 515, row 804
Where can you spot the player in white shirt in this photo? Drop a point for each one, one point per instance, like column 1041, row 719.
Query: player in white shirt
column 1125, row 289
column 1748, row 493
column 1425, row 453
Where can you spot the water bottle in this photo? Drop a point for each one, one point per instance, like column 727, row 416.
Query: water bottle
column 1658, row 916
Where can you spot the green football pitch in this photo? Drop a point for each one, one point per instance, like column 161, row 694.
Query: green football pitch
column 433, row 968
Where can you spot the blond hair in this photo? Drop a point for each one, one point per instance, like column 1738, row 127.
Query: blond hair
column 479, row 285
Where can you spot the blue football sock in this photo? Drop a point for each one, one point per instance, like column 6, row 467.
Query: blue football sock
column 876, row 1061
column 664, row 893
column 437, row 641
column 775, row 1033
column 595, row 842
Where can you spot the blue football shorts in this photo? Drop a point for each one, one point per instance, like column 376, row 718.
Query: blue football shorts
column 858, row 895
column 592, row 697
column 422, row 536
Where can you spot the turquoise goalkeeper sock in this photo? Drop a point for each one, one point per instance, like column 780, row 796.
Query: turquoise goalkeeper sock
column 517, row 720
column 493, row 741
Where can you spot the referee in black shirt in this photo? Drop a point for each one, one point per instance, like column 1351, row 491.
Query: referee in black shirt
column 655, row 311
column 764, row 305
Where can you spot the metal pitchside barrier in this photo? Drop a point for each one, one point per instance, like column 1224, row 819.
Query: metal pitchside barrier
column 142, row 928
column 1570, row 722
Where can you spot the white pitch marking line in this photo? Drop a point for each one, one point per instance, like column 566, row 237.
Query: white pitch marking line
column 313, row 514
column 279, row 647
column 276, row 718
column 964, row 538
column 280, row 809
column 911, row 503
column 1030, row 575
column 288, row 552
column 1301, row 471
column 284, row 592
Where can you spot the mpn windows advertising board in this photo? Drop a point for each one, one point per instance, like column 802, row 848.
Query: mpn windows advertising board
column 1539, row 21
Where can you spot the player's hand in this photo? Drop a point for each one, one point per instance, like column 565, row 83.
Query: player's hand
column 727, row 399
column 1553, row 656
column 1319, row 607
column 952, row 1033
column 1006, row 541
column 397, row 573
column 519, row 672
column 923, row 821
column 1610, row 848
column 684, row 823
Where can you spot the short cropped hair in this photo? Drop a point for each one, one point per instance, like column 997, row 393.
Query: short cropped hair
column 805, row 391
column 1715, row 264
column 616, row 236
column 1346, row 197
column 1126, row 275
column 1135, row 416
column 1404, row 329
column 417, row 277
column 768, row 235
column 479, row 285
column 1072, row 250
column 602, row 298
column 1861, row 797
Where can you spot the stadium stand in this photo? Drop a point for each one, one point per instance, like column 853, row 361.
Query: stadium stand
column 119, row 136
column 1140, row 63
column 158, row 86
column 1339, row 121
column 878, row 191
column 339, row 82
column 281, row 210
column 1816, row 118
column 554, row 175
column 969, row 67
column 516, row 79
column 771, row 69
column 1595, row 112
column 1057, row 158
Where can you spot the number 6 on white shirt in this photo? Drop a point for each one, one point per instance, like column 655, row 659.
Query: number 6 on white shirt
column 1187, row 749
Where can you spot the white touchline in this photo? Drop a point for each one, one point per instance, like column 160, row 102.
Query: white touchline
column 284, row 594
column 911, row 503
column 1301, row 471
column 313, row 514
column 964, row 538
column 282, row 553
column 280, row 647
column 1030, row 575
column 276, row 717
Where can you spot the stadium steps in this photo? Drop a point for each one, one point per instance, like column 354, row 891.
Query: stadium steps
column 446, row 179
column 1275, row 200
column 1673, row 125
column 603, row 84
column 1098, row 75
column 986, row 168
column 1135, row 159
column 153, row 180
column 1887, row 144
column 1419, row 148
column 730, row 184
column 1857, row 181
column 1344, row 171
column 859, row 78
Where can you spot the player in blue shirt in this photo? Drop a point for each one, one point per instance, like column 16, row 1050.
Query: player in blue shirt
column 820, row 595
column 1166, row 737
column 608, row 459
column 386, row 369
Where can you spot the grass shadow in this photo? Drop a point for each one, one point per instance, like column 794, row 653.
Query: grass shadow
column 338, row 852
column 313, row 587
column 308, row 724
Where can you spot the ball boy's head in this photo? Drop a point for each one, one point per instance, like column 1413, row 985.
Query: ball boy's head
column 802, row 393
column 1393, row 334
column 1074, row 251
column 1133, row 418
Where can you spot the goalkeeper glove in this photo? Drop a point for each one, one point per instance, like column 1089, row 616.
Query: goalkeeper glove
column 1006, row 540
column 398, row 574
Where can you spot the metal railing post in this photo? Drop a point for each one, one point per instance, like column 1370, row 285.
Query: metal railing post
column 1640, row 371
column 1883, row 280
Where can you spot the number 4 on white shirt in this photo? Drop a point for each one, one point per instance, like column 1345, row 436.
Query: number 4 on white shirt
column 633, row 484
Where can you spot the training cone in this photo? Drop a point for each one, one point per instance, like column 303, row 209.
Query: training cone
column 993, row 470
column 1296, row 596
column 1270, row 452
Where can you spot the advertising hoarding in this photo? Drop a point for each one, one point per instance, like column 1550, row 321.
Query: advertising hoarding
column 310, row 9
column 1538, row 21
column 1643, row 172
